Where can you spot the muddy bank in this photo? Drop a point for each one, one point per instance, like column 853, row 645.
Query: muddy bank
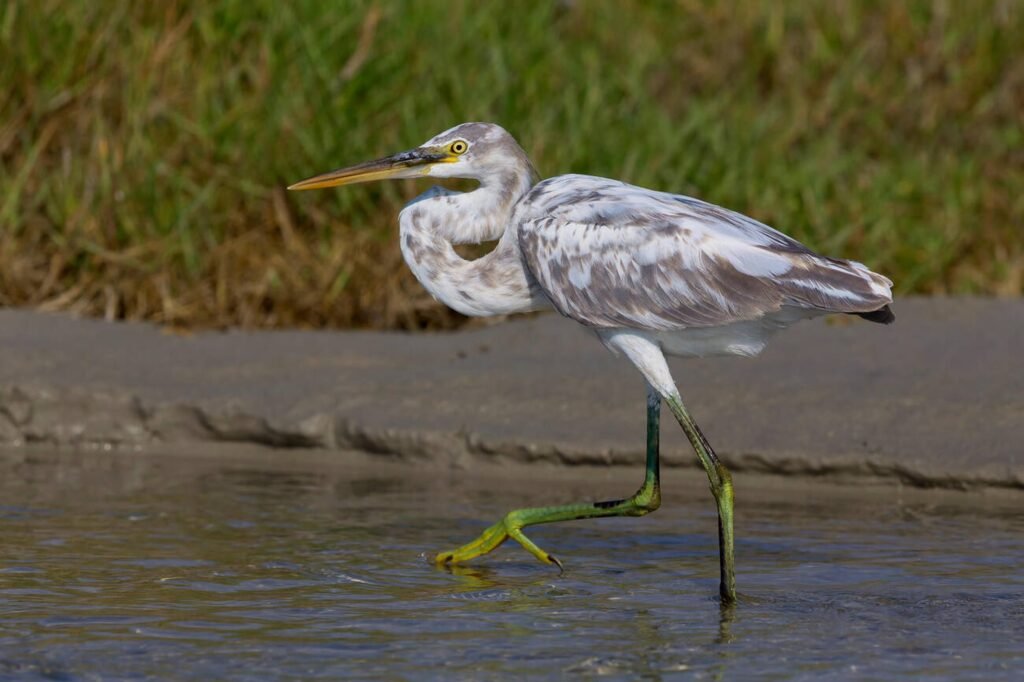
column 935, row 399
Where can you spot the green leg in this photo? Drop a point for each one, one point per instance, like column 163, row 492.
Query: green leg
column 721, row 488
column 646, row 500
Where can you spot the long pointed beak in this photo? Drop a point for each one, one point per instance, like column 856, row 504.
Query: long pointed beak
column 410, row 164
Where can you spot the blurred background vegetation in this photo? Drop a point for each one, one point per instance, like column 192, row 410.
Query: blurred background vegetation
column 144, row 146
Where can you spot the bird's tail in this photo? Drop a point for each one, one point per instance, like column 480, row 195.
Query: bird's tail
column 883, row 315
column 841, row 286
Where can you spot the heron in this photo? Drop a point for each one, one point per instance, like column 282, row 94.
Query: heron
column 653, row 274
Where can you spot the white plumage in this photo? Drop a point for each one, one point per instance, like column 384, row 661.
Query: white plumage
column 706, row 280
column 693, row 277
column 651, row 272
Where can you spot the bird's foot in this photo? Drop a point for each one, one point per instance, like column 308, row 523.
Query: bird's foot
column 509, row 527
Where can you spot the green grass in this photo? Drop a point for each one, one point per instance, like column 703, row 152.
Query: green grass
column 144, row 146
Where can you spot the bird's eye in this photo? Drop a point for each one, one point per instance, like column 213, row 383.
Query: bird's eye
column 458, row 147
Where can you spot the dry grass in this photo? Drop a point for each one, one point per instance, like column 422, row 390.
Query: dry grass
column 144, row 146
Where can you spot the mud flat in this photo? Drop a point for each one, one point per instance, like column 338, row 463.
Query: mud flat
column 936, row 399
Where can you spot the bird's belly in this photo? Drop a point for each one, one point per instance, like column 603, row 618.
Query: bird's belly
column 746, row 338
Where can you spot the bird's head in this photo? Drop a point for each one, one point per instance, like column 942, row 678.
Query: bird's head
column 470, row 150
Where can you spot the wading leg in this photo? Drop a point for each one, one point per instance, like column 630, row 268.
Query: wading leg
column 646, row 500
column 721, row 488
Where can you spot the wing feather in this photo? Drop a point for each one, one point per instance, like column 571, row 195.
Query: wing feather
column 610, row 254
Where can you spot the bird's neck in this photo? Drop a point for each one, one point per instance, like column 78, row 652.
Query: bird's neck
column 495, row 284
column 482, row 214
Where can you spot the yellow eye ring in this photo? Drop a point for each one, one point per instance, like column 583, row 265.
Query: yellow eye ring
column 458, row 147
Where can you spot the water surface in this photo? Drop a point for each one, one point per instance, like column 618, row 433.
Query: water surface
column 284, row 565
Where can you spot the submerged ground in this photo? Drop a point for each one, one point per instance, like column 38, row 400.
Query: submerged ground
column 269, row 564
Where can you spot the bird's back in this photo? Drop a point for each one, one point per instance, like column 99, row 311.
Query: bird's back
column 613, row 255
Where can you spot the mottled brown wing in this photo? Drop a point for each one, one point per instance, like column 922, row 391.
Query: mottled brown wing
column 613, row 255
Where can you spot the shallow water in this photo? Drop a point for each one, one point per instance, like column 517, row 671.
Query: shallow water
column 286, row 566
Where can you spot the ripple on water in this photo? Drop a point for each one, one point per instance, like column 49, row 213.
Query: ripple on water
column 199, row 572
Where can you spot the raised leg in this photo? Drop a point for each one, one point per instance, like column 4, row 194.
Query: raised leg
column 644, row 501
